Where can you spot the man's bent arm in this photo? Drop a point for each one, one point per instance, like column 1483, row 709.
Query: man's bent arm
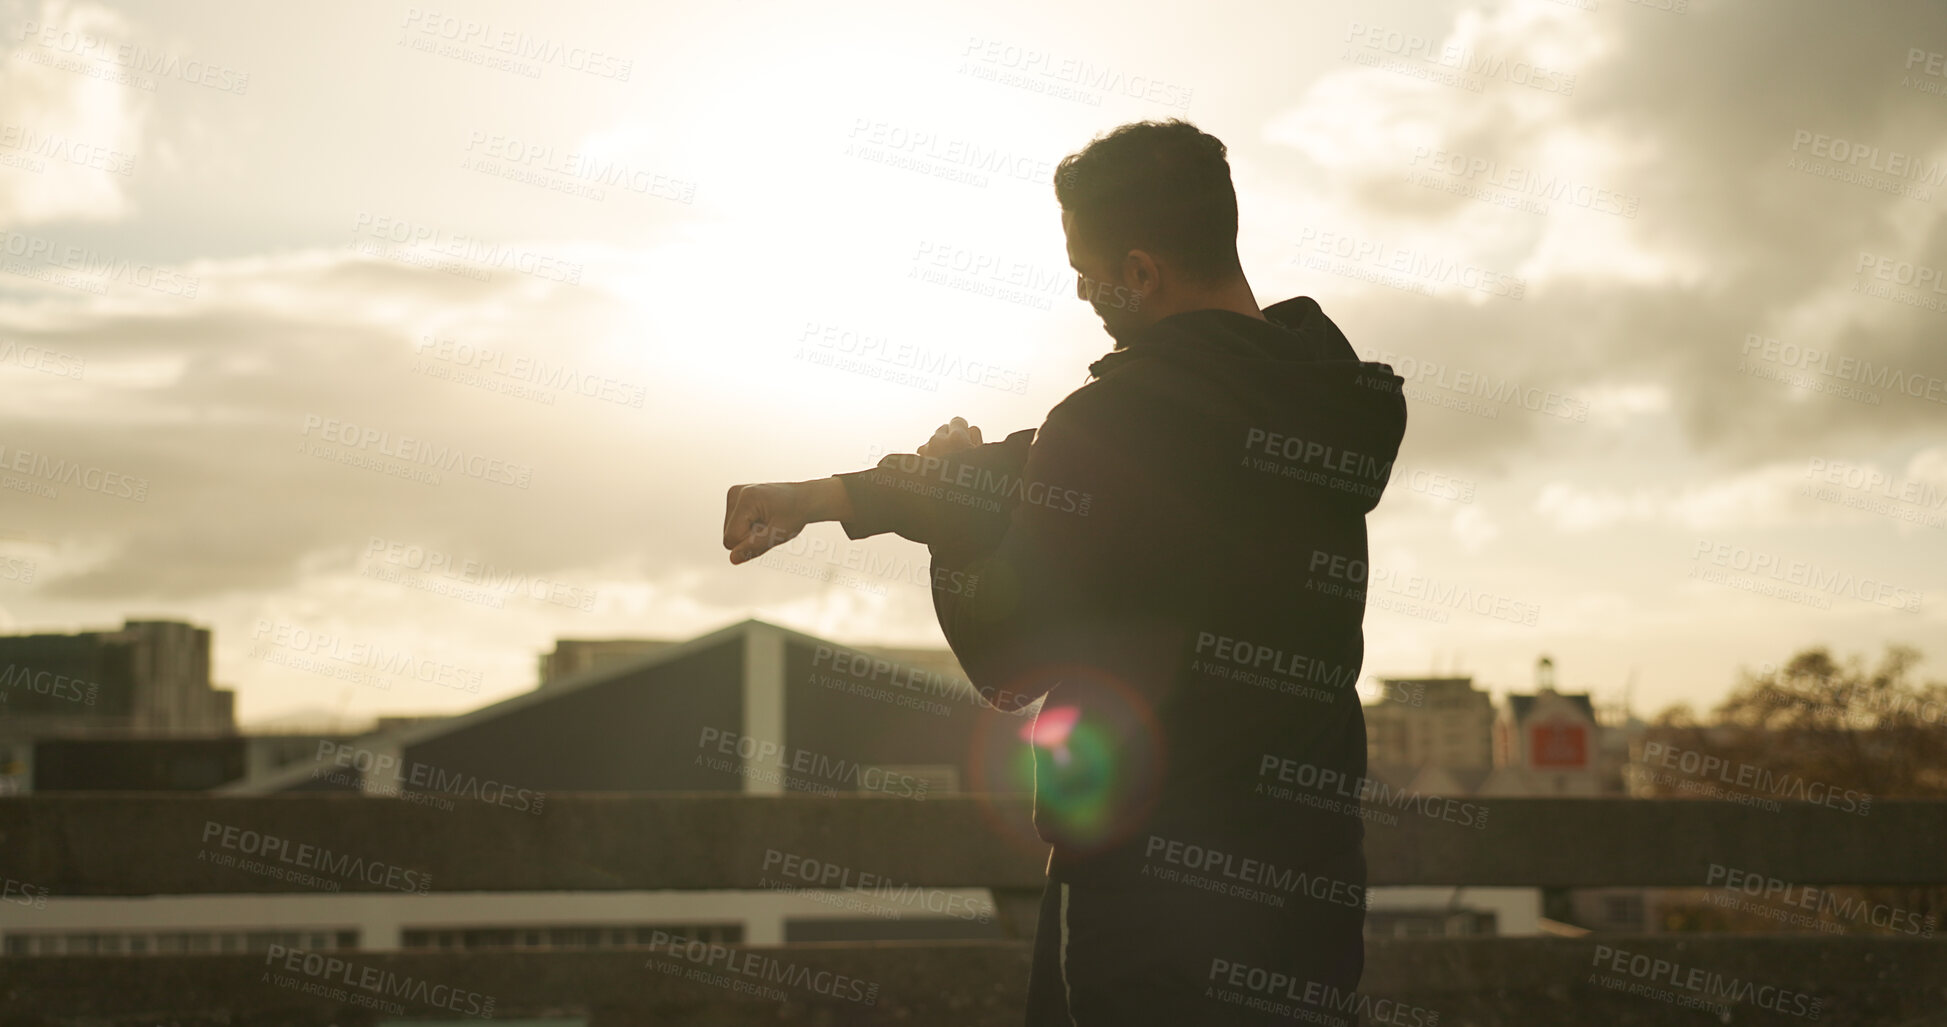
column 958, row 500
column 1042, row 600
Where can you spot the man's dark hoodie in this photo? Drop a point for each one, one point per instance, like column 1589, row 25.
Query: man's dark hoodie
column 1177, row 559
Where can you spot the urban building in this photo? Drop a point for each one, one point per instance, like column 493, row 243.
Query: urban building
column 751, row 708
column 150, row 678
column 1444, row 737
column 1546, row 743
column 1440, row 722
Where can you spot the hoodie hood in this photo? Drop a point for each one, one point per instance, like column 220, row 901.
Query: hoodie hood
column 1309, row 408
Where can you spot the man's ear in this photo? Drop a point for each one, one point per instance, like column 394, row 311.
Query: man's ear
column 1140, row 272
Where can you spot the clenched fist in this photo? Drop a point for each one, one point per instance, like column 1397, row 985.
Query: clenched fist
column 759, row 517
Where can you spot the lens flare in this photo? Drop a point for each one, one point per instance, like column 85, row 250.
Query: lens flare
column 1092, row 756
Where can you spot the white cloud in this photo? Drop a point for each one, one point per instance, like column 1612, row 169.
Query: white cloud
column 71, row 143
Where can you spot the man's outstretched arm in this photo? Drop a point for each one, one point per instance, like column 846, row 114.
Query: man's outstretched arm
column 926, row 499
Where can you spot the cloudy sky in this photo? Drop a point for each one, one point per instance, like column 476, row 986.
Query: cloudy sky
column 371, row 326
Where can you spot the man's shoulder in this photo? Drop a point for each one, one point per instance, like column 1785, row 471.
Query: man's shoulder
column 1092, row 400
column 1124, row 402
column 1141, row 416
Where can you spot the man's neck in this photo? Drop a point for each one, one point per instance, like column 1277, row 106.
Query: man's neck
column 1235, row 297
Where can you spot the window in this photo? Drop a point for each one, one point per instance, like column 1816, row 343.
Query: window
column 1623, row 910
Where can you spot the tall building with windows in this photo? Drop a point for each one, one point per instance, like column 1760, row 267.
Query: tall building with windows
column 1442, row 722
column 150, row 677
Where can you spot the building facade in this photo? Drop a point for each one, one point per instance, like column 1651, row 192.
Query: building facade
column 1443, row 722
column 150, row 678
column 751, row 708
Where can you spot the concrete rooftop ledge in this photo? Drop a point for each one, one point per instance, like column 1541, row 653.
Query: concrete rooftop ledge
column 92, row 844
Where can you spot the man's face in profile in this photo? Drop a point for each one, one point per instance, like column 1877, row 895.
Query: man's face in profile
column 1100, row 283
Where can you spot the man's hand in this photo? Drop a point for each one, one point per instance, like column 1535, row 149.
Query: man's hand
column 759, row 517
column 953, row 436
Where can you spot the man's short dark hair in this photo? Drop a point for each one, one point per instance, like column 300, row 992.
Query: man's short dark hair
column 1161, row 186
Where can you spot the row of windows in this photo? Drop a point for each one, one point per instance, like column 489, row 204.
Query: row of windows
column 217, row 942
column 168, row 943
column 603, row 936
column 1429, row 924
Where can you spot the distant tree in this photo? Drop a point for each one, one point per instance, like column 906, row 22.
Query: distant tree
column 1874, row 730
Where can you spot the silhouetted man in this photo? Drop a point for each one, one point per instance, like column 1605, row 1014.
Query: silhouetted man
column 1176, row 560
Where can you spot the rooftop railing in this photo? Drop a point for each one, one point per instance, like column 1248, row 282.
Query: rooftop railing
column 140, row 845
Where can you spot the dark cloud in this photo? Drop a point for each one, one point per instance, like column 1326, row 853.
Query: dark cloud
column 1699, row 112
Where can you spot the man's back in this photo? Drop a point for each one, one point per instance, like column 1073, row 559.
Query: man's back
column 1180, row 570
column 1240, row 458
